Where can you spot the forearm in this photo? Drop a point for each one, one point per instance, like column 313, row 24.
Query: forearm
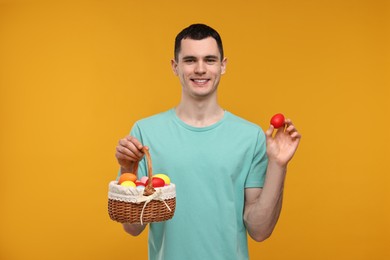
column 262, row 212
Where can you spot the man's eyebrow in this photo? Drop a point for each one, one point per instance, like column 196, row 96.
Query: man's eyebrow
column 189, row 58
column 214, row 57
column 211, row 57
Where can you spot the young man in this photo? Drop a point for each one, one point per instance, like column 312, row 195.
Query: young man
column 229, row 175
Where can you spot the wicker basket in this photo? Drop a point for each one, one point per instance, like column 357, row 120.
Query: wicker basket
column 132, row 205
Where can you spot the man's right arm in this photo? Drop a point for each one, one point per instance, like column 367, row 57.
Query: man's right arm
column 129, row 151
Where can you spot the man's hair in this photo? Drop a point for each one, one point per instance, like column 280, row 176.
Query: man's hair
column 197, row 32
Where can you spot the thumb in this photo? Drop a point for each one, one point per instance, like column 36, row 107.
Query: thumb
column 269, row 131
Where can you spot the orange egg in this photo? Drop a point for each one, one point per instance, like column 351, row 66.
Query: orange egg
column 127, row 177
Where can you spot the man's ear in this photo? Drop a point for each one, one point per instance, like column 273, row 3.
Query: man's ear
column 223, row 66
column 174, row 66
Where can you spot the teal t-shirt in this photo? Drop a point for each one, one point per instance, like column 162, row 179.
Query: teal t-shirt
column 211, row 167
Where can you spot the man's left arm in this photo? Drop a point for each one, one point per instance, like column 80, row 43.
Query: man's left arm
column 263, row 205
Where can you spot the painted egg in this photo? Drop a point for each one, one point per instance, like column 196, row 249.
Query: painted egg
column 140, row 188
column 139, row 183
column 157, row 182
column 127, row 177
column 165, row 177
column 144, row 180
column 277, row 120
column 128, row 184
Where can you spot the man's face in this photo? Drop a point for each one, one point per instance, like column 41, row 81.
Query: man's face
column 199, row 67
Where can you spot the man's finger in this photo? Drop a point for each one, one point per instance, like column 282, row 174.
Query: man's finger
column 269, row 131
column 135, row 141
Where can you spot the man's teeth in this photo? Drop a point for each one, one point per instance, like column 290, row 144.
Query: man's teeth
column 200, row 80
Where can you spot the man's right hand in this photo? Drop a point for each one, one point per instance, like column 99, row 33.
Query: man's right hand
column 128, row 151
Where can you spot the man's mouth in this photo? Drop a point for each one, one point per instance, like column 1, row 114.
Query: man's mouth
column 200, row 81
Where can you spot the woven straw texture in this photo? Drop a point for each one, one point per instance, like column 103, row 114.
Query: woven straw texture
column 155, row 211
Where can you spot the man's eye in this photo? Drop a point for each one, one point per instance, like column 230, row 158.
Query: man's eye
column 211, row 61
column 189, row 61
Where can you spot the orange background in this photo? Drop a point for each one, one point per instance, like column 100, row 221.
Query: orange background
column 75, row 75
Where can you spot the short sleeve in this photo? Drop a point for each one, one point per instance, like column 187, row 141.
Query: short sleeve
column 258, row 168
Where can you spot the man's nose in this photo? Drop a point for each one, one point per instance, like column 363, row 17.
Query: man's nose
column 200, row 67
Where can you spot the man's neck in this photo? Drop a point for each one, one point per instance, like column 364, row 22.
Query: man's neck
column 200, row 113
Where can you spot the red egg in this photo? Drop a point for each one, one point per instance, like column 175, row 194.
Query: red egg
column 278, row 120
column 157, row 182
column 139, row 183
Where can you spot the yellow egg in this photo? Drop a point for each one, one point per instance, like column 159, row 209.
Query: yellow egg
column 128, row 184
column 164, row 177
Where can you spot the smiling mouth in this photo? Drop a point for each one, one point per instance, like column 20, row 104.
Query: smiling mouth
column 200, row 81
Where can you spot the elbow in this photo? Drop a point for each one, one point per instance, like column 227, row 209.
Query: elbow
column 258, row 233
column 261, row 236
column 132, row 229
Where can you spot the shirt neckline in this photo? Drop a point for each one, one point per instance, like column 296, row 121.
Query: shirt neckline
column 198, row 129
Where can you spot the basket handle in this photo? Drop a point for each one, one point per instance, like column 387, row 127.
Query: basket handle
column 149, row 190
